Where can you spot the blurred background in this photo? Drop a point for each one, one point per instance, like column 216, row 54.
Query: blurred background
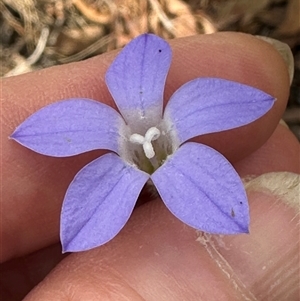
column 37, row 34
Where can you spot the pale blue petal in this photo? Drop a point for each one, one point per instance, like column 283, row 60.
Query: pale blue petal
column 202, row 189
column 71, row 127
column 98, row 202
column 136, row 78
column 208, row 105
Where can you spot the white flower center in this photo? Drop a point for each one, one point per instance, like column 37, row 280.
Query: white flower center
column 146, row 145
column 146, row 141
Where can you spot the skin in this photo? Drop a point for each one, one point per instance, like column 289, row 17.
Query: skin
column 155, row 257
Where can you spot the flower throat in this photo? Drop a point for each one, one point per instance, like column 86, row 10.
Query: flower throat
column 152, row 151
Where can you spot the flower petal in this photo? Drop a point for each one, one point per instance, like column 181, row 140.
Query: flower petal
column 71, row 127
column 208, row 105
column 99, row 202
column 202, row 189
column 137, row 77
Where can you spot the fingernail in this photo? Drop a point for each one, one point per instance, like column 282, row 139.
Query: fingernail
column 282, row 122
column 264, row 263
column 284, row 185
column 285, row 52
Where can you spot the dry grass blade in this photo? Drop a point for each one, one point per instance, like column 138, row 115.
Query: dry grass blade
column 79, row 29
column 87, row 51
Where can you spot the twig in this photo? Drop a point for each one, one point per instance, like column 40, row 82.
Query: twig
column 11, row 20
column 87, row 51
column 33, row 58
column 95, row 16
column 162, row 16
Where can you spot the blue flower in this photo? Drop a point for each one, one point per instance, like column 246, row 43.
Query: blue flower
column 147, row 143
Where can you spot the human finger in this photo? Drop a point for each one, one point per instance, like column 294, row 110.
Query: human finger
column 157, row 257
column 279, row 153
column 34, row 185
column 274, row 156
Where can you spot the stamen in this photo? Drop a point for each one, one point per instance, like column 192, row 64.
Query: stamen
column 137, row 139
column 152, row 134
column 148, row 149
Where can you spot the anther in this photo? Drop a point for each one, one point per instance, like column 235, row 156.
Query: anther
column 137, row 139
column 152, row 134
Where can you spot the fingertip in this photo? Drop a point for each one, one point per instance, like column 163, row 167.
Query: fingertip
column 238, row 57
column 279, row 153
column 231, row 56
column 234, row 56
